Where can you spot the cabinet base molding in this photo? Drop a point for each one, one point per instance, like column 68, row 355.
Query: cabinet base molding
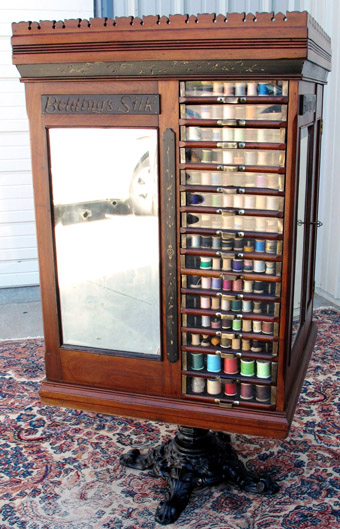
column 175, row 411
column 195, row 458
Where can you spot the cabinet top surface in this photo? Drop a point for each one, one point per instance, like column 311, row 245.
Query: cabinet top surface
column 293, row 36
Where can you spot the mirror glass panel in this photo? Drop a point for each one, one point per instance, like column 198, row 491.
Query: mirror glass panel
column 105, row 200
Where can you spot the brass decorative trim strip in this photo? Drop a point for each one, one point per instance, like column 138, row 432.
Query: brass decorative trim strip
column 169, row 237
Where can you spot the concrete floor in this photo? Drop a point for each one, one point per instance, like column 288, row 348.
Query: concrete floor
column 21, row 317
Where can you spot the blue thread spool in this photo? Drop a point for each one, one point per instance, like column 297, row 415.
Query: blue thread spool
column 246, row 305
column 260, row 245
column 263, row 89
column 216, row 283
column 236, row 305
column 195, row 241
column 214, row 363
column 237, row 265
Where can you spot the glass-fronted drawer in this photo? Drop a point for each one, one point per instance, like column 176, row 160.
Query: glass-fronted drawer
column 231, row 88
column 233, row 156
column 269, row 112
column 236, row 179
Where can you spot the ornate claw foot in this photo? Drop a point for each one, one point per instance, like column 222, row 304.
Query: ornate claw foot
column 195, row 458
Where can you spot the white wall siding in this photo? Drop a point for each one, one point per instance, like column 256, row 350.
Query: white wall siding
column 18, row 247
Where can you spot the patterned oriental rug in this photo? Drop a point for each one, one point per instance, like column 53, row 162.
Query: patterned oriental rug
column 59, row 468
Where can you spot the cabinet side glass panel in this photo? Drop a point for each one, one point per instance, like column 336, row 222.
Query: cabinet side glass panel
column 105, row 201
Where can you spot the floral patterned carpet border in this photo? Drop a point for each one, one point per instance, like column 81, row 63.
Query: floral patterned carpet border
column 59, row 469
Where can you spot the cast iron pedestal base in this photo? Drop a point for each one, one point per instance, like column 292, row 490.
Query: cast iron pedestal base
column 195, row 458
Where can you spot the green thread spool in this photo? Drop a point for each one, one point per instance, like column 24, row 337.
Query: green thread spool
column 237, row 324
column 247, row 367
column 197, row 361
column 263, row 368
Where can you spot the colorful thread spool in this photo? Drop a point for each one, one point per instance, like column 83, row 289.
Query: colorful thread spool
column 257, row 307
column 246, row 391
column 195, row 241
column 226, row 264
column 248, row 265
column 216, row 323
column 213, row 386
column 225, row 304
column 267, row 327
column 245, row 345
column 237, row 285
column 270, row 268
column 231, row 365
column 216, row 242
column 263, row 369
column 206, row 241
column 263, row 393
column 237, row 324
column 205, row 342
column 213, row 363
column 230, row 388
column 246, row 305
column 271, row 247
column 197, row 363
column 258, row 287
column 227, row 244
column 246, row 325
column 205, row 321
column 197, row 385
column 252, row 89
column 195, row 339
column 263, row 89
column 226, row 324
column 236, row 305
column 205, row 263
column 205, row 302
column 248, row 247
column 257, row 327
column 216, row 263
column 216, row 283
column 238, row 244
column 247, row 367
column 256, row 346
column 260, row 245
column 215, row 302
column 235, row 344
column 227, row 284
column 225, row 341
column 248, row 285
column 237, row 265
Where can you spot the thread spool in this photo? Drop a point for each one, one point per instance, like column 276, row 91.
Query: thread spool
column 227, row 284
column 197, row 385
column 226, row 324
column 259, row 245
column 240, row 89
column 197, row 363
column 248, row 265
column 263, row 393
column 216, row 283
column 246, row 326
column 195, row 339
column 273, row 203
column 235, row 344
column 258, row 287
column 205, row 263
column 206, row 320
column 227, row 134
column 237, row 265
column 236, row 305
column 239, row 134
column 246, row 391
column 262, row 369
column 217, row 156
column 205, row 342
column 249, row 246
column 270, row 268
column 206, row 241
column 216, row 243
column 227, row 244
column 257, row 328
column 252, row 89
column 213, row 386
column 228, row 201
column 237, row 285
column 225, row 341
column 238, row 244
column 231, row 365
column 226, row 264
column 217, row 88
column 237, row 325
column 250, row 157
column 205, row 179
column 256, row 346
column 230, row 388
column 228, row 112
column 216, row 263
column 228, row 89
column 215, row 303
column 271, row 247
column 247, row 367
column 216, row 323
column 248, row 285
column 257, row 307
column 261, row 180
column 204, row 302
column 238, row 201
column 215, row 341
column 249, row 201
column 246, row 305
column 245, row 345
column 195, row 241
column 267, row 327
column 263, row 89
column 213, row 363
column 216, row 179
column 206, row 282
column 259, row 267
column 225, row 304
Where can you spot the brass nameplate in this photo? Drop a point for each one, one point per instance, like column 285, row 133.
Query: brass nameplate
column 100, row 104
